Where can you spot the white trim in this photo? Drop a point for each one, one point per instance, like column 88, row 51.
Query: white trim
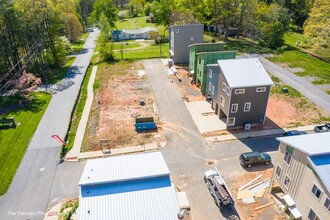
column 261, row 89
column 286, row 175
column 210, row 86
column 222, row 103
column 210, row 73
column 212, row 90
column 245, row 106
column 227, row 90
column 192, row 38
column 314, row 194
column 290, row 157
column 232, row 108
column 316, row 215
column 233, row 121
column 224, row 86
column 239, row 91
column 327, row 208
column 278, row 166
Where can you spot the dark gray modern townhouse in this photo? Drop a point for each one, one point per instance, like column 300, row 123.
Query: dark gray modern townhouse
column 239, row 90
column 181, row 36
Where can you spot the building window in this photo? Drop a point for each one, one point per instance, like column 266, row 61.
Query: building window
column 210, row 85
column 210, row 74
column 212, row 90
column 177, row 30
column 327, row 204
column 224, row 87
column 261, row 89
column 234, row 108
column 199, row 61
column 312, row 215
column 286, row 181
column 192, row 38
column 316, row 192
column 288, row 155
column 231, row 121
column 239, row 91
column 278, row 170
column 247, row 106
column 222, row 100
column 228, row 90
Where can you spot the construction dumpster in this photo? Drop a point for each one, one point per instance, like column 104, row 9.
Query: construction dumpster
column 145, row 124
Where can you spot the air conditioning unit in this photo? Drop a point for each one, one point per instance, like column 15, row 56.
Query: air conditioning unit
column 247, row 126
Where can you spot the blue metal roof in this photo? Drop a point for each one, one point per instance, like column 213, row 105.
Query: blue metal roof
column 321, row 165
column 116, row 32
column 125, row 186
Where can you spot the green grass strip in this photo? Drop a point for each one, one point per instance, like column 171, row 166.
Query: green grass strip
column 14, row 141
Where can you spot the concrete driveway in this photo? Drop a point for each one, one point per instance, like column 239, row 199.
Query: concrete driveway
column 204, row 117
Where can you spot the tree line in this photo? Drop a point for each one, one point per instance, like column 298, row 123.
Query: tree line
column 36, row 34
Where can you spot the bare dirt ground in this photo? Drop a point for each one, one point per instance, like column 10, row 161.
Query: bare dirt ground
column 247, row 211
column 121, row 87
column 282, row 111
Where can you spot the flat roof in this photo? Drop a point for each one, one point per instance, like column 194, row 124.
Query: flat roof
column 310, row 144
column 215, row 52
column 244, row 73
column 121, row 168
column 147, row 199
column 186, row 25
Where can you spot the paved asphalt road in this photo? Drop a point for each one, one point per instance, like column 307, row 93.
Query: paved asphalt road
column 188, row 154
column 314, row 94
column 28, row 195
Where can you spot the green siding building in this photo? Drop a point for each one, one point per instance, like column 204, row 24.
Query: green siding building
column 198, row 48
column 204, row 58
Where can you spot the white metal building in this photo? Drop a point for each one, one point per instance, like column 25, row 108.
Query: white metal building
column 127, row 187
column 142, row 33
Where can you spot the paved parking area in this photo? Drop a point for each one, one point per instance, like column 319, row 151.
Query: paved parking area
column 204, row 117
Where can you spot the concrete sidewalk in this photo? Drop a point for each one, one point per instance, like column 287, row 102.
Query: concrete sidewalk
column 261, row 133
column 74, row 153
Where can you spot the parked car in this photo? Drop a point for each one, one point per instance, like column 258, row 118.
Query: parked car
column 292, row 133
column 321, row 128
column 327, row 125
column 251, row 158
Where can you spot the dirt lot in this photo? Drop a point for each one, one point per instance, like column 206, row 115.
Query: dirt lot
column 283, row 111
column 247, row 211
column 117, row 102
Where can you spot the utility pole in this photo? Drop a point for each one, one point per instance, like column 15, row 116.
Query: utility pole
column 122, row 50
column 160, row 45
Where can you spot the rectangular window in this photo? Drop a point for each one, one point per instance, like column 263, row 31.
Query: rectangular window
column 239, row 91
column 231, row 121
column 177, row 30
column 224, row 87
column 210, row 86
column 247, row 106
column 312, row 215
column 316, row 192
column 234, row 108
column 212, row 90
column 210, row 74
column 278, row 170
column 192, row 38
column 228, row 90
column 199, row 61
column 261, row 89
column 287, row 157
column 286, row 181
column 222, row 100
column 327, row 204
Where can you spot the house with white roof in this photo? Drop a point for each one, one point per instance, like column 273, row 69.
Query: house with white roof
column 242, row 90
column 302, row 171
column 127, row 187
column 142, row 33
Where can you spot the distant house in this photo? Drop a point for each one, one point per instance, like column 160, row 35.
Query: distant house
column 142, row 33
column 240, row 90
column 302, row 171
column 151, row 18
column 204, row 58
column 181, row 36
column 127, row 187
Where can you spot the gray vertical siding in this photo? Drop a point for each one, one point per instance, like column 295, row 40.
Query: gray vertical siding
column 214, row 80
column 182, row 40
column 224, row 94
column 258, row 101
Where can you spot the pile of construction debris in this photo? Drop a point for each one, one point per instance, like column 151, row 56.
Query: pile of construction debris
column 254, row 188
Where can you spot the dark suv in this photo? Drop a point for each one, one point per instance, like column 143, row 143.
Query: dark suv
column 251, row 158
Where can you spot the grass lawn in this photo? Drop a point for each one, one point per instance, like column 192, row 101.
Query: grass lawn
column 140, row 22
column 79, row 108
column 311, row 65
column 125, row 45
column 14, row 141
column 151, row 51
column 55, row 75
